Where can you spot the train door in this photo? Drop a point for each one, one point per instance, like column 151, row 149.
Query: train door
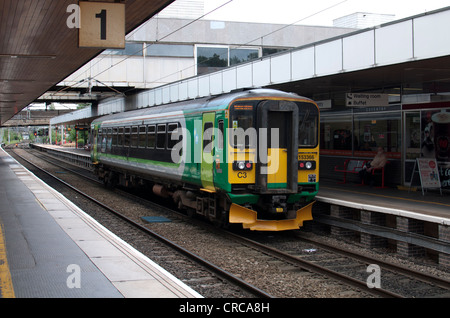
column 276, row 170
column 207, row 160
column 94, row 154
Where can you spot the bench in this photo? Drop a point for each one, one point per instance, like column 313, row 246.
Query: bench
column 350, row 166
column 355, row 166
column 381, row 170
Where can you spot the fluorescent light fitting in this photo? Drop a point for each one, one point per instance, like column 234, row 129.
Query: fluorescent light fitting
column 30, row 56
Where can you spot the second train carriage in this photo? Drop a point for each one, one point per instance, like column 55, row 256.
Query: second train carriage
column 248, row 157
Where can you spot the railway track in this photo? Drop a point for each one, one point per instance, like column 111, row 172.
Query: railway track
column 218, row 275
column 298, row 261
column 356, row 269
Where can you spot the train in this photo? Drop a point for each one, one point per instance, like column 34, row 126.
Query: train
column 248, row 157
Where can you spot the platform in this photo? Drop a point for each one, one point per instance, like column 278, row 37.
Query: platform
column 49, row 248
column 431, row 207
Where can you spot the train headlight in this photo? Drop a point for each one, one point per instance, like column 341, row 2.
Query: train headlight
column 242, row 165
column 306, row 165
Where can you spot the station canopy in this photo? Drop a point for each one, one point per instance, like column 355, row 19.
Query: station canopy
column 38, row 49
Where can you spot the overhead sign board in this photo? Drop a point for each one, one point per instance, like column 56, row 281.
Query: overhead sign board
column 102, row 25
column 367, row 100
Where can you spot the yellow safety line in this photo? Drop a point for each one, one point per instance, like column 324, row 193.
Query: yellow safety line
column 6, row 286
column 387, row 196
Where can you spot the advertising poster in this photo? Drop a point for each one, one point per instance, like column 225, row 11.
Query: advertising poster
column 429, row 174
column 436, row 142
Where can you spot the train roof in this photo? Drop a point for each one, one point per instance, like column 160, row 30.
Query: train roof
column 210, row 102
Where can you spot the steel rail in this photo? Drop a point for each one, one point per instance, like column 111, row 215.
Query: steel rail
column 309, row 266
column 215, row 269
column 438, row 281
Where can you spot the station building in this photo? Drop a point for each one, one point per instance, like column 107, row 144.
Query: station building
column 387, row 85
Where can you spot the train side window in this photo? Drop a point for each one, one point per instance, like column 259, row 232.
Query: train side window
column 103, row 136
column 109, row 140
column 94, row 136
column 172, row 135
column 151, row 138
column 114, row 137
column 126, row 137
column 99, row 138
column 161, row 137
column 134, row 136
column 142, row 136
column 120, row 137
column 220, row 137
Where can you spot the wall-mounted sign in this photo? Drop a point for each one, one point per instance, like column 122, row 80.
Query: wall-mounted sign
column 102, row 25
column 324, row 104
column 366, row 100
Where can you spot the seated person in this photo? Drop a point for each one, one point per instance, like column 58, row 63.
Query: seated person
column 378, row 162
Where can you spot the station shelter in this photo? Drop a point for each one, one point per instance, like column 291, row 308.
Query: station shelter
column 408, row 122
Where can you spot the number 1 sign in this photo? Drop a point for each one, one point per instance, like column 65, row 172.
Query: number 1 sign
column 102, row 25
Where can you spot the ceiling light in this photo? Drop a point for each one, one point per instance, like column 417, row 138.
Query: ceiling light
column 31, row 56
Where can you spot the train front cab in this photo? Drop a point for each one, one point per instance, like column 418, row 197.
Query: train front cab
column 277, row 175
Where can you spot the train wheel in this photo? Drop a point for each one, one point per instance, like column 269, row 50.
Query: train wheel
column 111, row 180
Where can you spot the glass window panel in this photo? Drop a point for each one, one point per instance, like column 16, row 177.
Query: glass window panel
column 308, row 116
column 242, row 116
column 242, row 55
column 126, row 137
column 161, row 137
column 172, row 129
column 114, row 140
column 377, row 130
column 134, row 136
column 207, row 137
column 151, row 138
column 170, row 50
column 120, row 139
column 142, row 137
column 210, row 59
column 135, row 49
column 268, row 51
column 221, row 136
column 336, row 134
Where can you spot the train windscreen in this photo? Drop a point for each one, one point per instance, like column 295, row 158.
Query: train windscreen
column 308, row 125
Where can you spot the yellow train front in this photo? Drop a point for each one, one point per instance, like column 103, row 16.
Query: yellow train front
column 273, row 161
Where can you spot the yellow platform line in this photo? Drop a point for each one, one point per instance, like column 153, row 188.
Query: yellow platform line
column 386, row 196
column 6, row 286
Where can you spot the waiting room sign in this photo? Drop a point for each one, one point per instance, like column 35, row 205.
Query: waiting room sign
column 367, row 100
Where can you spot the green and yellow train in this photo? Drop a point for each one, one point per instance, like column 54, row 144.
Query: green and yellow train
column 248, row 157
